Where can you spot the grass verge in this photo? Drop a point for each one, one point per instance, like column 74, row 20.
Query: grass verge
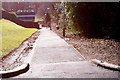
column 12, row 36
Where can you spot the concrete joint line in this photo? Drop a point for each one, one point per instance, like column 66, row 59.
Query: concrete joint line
column 106, row 65
column 62, row 63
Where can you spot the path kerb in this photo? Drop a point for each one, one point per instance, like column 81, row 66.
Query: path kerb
column 29, row 57
column 105, row 64
column 23, row 66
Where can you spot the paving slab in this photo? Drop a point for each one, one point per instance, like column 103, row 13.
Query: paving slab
column 54, row 58
column 56, row 55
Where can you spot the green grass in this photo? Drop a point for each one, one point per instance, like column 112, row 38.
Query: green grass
column 12, row 36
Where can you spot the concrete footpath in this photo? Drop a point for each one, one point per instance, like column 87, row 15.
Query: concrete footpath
column 54, row 58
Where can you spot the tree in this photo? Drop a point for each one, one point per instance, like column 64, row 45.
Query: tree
column 93, row 20
column 48, row 20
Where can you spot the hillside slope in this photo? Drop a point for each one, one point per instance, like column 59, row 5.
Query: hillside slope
column 12, row 36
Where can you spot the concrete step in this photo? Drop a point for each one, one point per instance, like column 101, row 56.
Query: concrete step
column 82, row 69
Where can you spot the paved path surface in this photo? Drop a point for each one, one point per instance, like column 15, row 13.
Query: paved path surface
column 54, row 58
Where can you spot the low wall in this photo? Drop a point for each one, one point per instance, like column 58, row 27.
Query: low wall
column 14, row 19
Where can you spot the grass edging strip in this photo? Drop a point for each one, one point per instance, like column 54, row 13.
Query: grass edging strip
column 106, row 65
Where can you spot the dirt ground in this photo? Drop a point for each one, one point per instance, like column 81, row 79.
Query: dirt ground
column 16, row 57
column 101, row 49
column 107, row 50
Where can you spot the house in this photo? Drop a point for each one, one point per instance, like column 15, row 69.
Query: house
column 26, row 15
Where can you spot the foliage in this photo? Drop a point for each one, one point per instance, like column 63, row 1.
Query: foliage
column 98, row 20
column 12, row 36
column 65, row 16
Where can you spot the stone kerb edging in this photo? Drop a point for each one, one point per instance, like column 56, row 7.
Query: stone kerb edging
column 16, row 71
column 106, row 65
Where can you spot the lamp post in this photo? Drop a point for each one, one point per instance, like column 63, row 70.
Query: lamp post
column 64, row 19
